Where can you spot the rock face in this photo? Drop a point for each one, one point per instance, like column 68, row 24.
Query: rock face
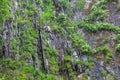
column 114, row 15
column 59, row 40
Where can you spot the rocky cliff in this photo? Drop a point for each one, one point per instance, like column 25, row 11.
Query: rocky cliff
column 59, row 40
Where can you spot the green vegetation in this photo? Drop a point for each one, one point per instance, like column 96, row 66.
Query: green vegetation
column 28, row 19
column 118, row 48
column 4, row 11
column 98, row 27
column 103, row 50
column 68, row 67
column 80, row 4
column 108, row 57
column 64, row 3
column 100, row 5
column 62, row 19
column 106, row 52
column 51, row 55
column 12, row 70
column 118, row 38
column 79, row 43
column 96, row 15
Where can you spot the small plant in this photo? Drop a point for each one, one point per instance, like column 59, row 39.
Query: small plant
column 104, row 73
column 38, row 2
column 97, row 15
column 79, row 43
column 100, row 4
column 86, row 48
column 118, row 48
column 68, row 58
column 103, row 50
column 64, row 3
column 62, row 19
column 108, row 57
column 80, row 4
column 118, row 38
column 21, row 21
column 79, row 62
column 105, row 40
column 58, row 29
column 85, row 76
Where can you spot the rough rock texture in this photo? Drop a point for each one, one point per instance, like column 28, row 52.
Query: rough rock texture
column 41, row 40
